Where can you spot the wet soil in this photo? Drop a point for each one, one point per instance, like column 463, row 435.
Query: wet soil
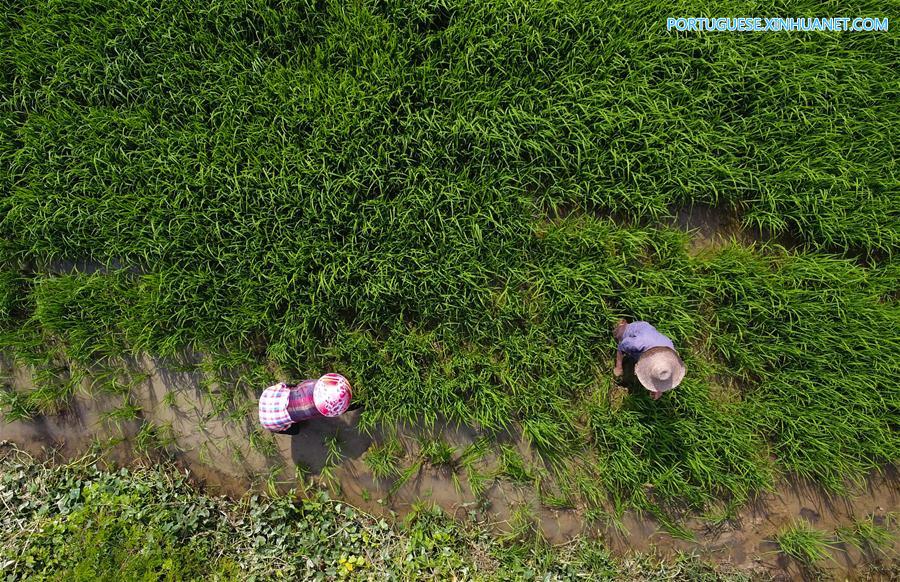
column 216, row 446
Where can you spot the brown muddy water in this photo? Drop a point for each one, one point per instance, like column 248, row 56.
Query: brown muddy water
column 216, row 447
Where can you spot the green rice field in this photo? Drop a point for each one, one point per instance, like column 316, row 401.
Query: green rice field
column 451, row 203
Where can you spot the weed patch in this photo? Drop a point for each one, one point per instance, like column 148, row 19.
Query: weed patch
column 83, row 523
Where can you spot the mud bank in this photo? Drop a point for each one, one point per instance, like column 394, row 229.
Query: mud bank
column 225, row 451
column 714, row 227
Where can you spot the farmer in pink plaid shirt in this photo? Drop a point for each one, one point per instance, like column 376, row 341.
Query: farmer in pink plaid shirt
column 282, row 406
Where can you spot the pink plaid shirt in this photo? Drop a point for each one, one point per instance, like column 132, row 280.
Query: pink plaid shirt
column 282, row 405
column 301, row 405
column 273, row 404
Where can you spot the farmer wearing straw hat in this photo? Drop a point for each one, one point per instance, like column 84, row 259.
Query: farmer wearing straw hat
column 282, row 406
column 656, row 363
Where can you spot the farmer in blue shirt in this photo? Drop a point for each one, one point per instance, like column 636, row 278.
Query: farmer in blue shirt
column 656, row 363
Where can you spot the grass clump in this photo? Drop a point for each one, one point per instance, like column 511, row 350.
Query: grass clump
column 804, row 543
column 126, row 412
column 866, row 535
column 154, row 437
column 438, row 453
column 384, row 458
column 263, row 442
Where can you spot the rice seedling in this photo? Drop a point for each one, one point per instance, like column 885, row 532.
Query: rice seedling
column 585, row 485
column 170, row 399
column 524, row 527
column 237, row 455
column 303, row 484
column 263, row 443
column 407, row 473
column 333, row 453
column 675, row 529
column 452, row 205
column 473, row 454
column 438, row 453
column 556, row 500
column 329, row 480
column 866, row 535
column 241, row 412
column 154, row 437
column 804, row 543
column 54, row 388
column 512, row 466
column 603, row 519
column 271, row 480
column 719, row 516
column 113, row 377
column 456, row 482
column 16, row 406
column 384, row 458
column 126, row 412
column 99, row 446
column 203, row 453
column 478, row 484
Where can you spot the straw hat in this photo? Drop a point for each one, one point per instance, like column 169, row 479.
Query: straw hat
column 332, row 395
column 659, row 369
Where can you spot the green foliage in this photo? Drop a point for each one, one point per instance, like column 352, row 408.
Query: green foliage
column 104, row 546
column 450, row 203
column 154, row 437
column 384, row 458
column 77, row 522
column 804, row 543
column 866, row 535
column 439, row 453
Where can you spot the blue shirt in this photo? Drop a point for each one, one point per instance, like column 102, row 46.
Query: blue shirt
column 639, row 337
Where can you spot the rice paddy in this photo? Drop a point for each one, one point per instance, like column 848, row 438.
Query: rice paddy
column 451, row 203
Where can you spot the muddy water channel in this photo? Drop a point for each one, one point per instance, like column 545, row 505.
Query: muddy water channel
column 224, row 451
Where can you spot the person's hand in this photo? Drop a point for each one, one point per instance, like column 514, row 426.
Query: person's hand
column 618, row 371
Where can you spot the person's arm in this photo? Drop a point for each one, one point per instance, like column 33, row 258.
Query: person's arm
column 618, row 335
column 655, row 395
column 292, row 430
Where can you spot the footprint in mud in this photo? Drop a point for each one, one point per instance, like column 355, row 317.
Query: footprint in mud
column 810, row 515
